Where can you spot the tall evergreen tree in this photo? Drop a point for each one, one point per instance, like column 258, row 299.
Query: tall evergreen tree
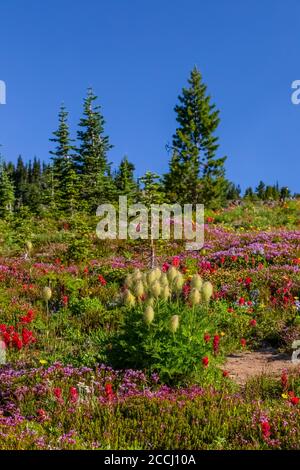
column 7, row 196
column 20, row 181
column 64, row 173
column 195, row 174
column 124, row 180
column 96, row 183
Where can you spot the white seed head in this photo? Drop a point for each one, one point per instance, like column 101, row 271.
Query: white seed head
column 172, row 273
column 178, row 283
column 151, row 277
column 139, row 289
column 207, row 291
column 149, row 314
column 165, row 293
column 47, row 293
column 164, row 280
column 195, row 297
column 196, row 282
column 155, row 289
column 129, row 299
column 29, row 245
column 174, row 323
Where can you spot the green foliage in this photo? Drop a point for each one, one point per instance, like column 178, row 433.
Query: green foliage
column 65, row 177
column 96, row 184
column 176, row 356
column 195, row 174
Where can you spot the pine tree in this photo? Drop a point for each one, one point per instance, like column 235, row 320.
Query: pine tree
column 261, row 190
column 124, row 180
column 64, row 173
column 233, row 192
column 196, row 175
column 96, row 184
column 249, row 194
column 152, row 190
column 7, row 196
column 20, row 181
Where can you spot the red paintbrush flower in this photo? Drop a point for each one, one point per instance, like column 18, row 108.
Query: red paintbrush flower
column 206, row 337
column 205, row 361
column 216, row 343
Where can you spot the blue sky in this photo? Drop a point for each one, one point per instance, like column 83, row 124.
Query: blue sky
column 137, row 55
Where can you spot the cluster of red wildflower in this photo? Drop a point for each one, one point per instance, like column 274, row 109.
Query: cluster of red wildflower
column 13, row 338
column 216, row 343
column 72, row 396
column 28, row 318
column 207, row 267
column 176, row 261
column 242, row 301
column 265, row 429
column 205, row 361
column 283, row 295
column 293, row 399
column 102, row 280
column 109, row 392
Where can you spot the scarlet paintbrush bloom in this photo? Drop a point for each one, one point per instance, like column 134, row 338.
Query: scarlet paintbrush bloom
column 42, row 415
column 57, row 392
column 102, row 280
column 109, row 391
column 73, row 394
column 27, row 318
column 165, row 267
column 243, row 342
column 216, row 343
column 206, row 337
column 65, row 300
column 27, row 337
column 205, row 361
column 295, row 400
column 265, row 429
column 241, row 301
column 225, row 373
column 176, row 261
column 252, row 322
column 16, row 341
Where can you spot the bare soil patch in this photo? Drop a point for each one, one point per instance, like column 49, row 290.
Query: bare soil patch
column 246, row 365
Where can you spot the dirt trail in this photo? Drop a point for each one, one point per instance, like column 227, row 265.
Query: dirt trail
column 245, row 365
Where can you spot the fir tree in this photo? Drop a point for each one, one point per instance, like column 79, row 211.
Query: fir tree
column 124, row 180
column 196, row 175
column 7, row 196
column 261, row 190
column 64, row 173
column 96, row 184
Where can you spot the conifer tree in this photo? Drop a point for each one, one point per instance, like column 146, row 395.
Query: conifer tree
column 20, row 181
column 195, row 174
column 124, row 180
column 64, row 173
column 96, row 183
column 7, row 196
